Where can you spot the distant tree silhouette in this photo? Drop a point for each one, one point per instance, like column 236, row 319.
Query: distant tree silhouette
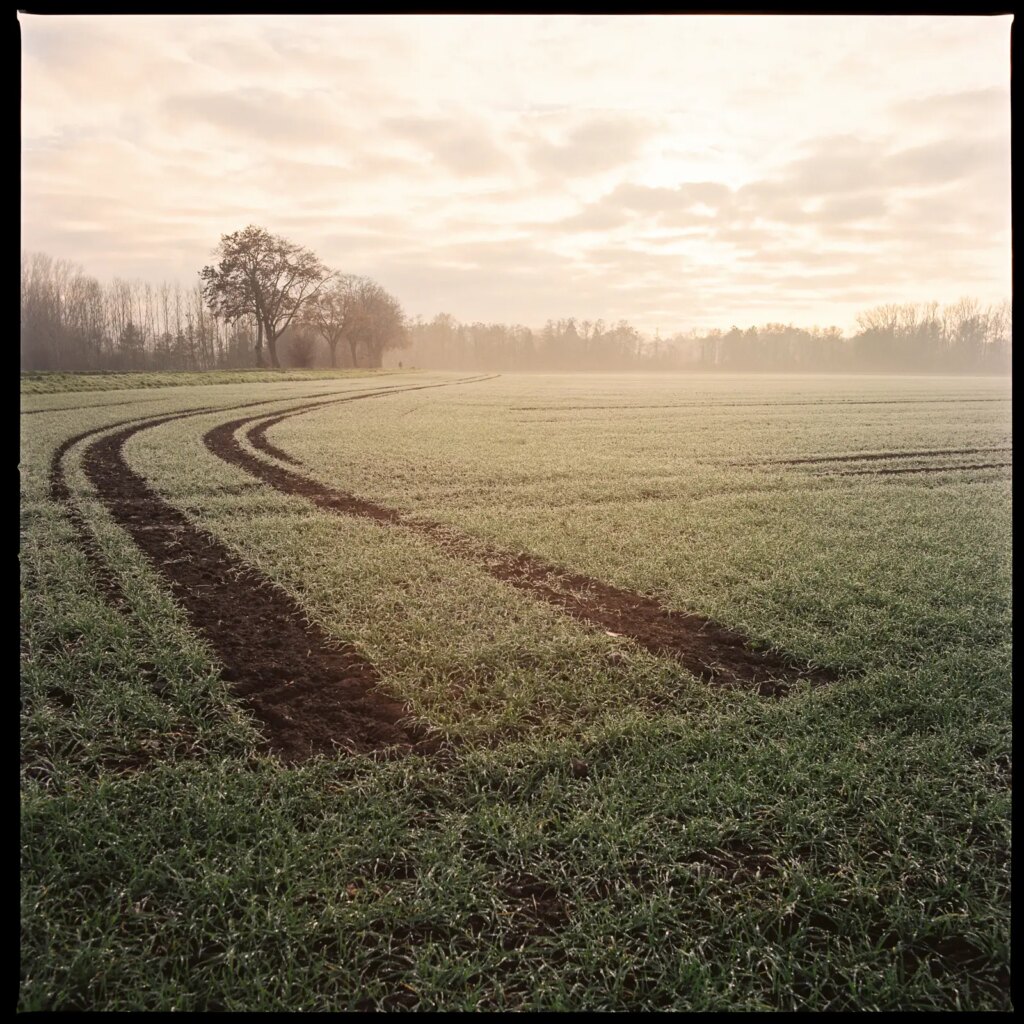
column 377, row 323
column 301, row 348
column 70, row 321
column 332, row 311
column 264, row 276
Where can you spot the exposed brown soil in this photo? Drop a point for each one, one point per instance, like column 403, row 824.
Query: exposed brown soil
column 923, row 469
column 108, row 586
column 707, row 649
column 94, row 405
column 258, row 439
column 156, row 398
column 876, row 456
column 536, row 908
column 60, row 494
column 310, row 693
column 257, row 435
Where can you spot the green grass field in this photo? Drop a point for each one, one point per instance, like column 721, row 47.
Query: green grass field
column 47, row 382
column 594, row 827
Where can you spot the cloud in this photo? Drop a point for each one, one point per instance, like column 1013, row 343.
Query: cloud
column 460, row 146
column 687, row 196
column 834, row 165
column 260, row 114
column 857, row 206
column 525, row 167
column 973, row 110
column 946, row 160
column 597, row 217
column 596, row 145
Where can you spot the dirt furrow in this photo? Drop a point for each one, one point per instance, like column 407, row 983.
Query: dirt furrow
column 876, row 456
column 921, row 469
column 60, row 494
column 311, row 693
column 257, row 435
column 94, row 405
column 258, row 439
column 707, row 649
column 166, row 398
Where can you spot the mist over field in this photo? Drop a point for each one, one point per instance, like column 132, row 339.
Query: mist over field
column 515, row 514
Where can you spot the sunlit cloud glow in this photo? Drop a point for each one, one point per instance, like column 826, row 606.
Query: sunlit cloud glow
column 675, row 171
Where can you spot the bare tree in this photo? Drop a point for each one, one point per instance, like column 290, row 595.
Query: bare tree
column 332, row 310
column 377, row 323
column 265, row 276
column 70, row 321
column 361, row 313
column 301, row 348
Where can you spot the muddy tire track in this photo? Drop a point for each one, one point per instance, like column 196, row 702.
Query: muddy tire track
column 311, row 693
column 109, row 587
column 257, row 435
column 876, row 456
column 709, row 650
column 258, row 439
column 167, row 398
column 60, row 494
column 921, row 469
column 95, row 405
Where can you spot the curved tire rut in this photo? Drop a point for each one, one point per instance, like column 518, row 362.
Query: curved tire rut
column 709, row 650
column 311, row 693
column 922, row 469
column 877, row 456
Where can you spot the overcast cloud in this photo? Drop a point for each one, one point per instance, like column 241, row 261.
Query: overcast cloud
column 676, row 171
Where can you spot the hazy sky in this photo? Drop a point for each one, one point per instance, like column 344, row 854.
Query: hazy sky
column 676, row 171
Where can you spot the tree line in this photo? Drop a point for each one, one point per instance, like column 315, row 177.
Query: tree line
column 267, row 300
column 963, row 337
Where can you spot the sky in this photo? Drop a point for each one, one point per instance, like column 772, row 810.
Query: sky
column 676, row 171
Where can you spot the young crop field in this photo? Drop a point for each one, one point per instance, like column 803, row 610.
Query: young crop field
column 53, row 382
column 467, row 691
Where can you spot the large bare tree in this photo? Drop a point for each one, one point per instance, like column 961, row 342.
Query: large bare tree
column 332, row 311
column 360, row 312
column 377, row 322
column 264, row 276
